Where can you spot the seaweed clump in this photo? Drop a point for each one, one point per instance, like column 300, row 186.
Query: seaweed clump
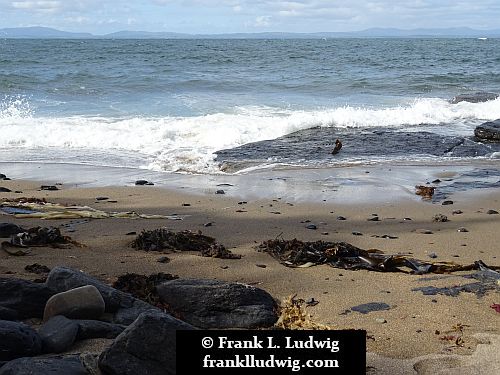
column 293, row 316
column 296, row 253
column 164, row 239
column 143, row 287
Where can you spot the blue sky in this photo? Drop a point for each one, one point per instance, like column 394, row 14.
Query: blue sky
column 211, row 16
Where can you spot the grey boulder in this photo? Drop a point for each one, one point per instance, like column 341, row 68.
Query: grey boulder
column 18, row 340
column 84, row 302
column 218, row 304
column 146, row 347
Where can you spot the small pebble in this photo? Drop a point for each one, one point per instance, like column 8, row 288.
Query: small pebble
column 381, row 320
column 457, row 212
column 163, row 260
column 261, row 265
column 220, row 192
column 341, row 218
column 433, row 255
column 462, row 230
column 49, row 187
column 224, row 267
column 492, row 212
column 324, row 233
column 186, row 204
column 209, row 224
column 424, row 231
column 130, row 234
column 311, row 302
column 440, row 218
column 311, row 226
column 101, row 198
column 375, row 218
column 447, row 203
column 242, row 202
column 357, row 233
column 436, row 181
column 407, row 219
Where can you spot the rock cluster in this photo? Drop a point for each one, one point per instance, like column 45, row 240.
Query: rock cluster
column 73, row 306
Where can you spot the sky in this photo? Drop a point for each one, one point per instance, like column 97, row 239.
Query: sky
column 229, row 16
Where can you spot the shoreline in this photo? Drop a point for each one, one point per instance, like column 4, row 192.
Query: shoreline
column 406, row 331
column 348, row 185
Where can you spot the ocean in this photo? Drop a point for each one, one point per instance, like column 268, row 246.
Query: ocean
column 237, row 106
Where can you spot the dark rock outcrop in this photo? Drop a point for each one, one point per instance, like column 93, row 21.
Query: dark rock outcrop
column 44, row 366
column 489, row 131
column 18, row 340
column 58, row 334
column 27, row 298
column 147, row 346
column 477, row 97
column 218, row 304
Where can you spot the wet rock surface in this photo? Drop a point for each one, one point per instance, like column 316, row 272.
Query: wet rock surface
column 217, row 304
column 313, row 146
column 477, row 97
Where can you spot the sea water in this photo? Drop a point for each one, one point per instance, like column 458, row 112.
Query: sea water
column 234, row 106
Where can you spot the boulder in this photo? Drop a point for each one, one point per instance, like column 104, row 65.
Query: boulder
column 18, row 340
column 147, row 346
column 489, row 131
column 84, row 302
column 218, row 304
column 44, row 366
column 62, row 279
column 26, row 298
column 477, row 97
column 95, row 329
column 58, row 334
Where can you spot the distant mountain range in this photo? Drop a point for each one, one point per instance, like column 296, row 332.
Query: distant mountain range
column 48, row 33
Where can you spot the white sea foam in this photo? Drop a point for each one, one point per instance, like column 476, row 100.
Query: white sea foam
column 188, row 143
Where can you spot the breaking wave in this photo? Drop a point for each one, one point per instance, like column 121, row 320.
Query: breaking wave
column 188, row 144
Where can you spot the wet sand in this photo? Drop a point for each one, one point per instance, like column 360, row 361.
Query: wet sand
column 415, row 324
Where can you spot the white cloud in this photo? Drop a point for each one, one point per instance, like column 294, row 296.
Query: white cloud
column 262, row 21
column 37, row 6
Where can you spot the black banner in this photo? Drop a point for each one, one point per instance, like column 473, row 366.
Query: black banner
column 271, row 352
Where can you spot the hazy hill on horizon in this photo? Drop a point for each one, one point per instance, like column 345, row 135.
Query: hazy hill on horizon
column 39, row 32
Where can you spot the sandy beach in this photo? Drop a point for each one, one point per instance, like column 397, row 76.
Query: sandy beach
column 416, row 329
